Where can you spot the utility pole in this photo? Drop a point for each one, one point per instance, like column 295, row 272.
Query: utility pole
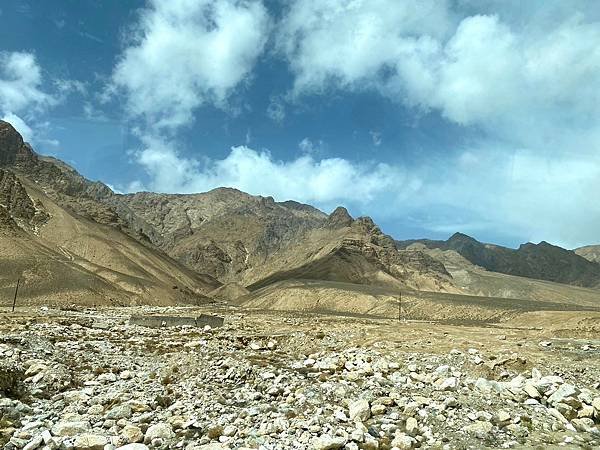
column 16, row 292
column 400, row 307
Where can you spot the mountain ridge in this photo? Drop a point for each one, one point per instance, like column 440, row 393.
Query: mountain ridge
column 543, row 261
column 228, row 235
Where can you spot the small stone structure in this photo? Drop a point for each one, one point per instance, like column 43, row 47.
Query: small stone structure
column 177, row 321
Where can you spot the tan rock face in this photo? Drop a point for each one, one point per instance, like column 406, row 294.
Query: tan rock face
column 16, row 202
column 13, row 150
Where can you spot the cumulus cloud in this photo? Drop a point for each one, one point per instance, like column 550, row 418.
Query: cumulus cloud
column 22, row 97
column 21, row 83
column 186, row 53
column 528, row 80
column 25, row 97
column 525, row 196
column 518, row 74
column 324, row 181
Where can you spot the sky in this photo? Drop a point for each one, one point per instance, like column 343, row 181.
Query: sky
column 430, row 116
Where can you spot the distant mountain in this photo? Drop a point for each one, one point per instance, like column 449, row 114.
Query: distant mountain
column 541, row 261
column 589, row 252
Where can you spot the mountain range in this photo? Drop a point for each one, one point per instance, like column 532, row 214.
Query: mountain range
column 71, row 240
column 541, row 261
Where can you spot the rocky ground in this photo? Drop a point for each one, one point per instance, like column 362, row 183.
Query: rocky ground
column 86, row 379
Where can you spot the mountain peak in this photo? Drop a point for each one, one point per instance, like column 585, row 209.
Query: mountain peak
column 461, row 237
column 13, row 149
column 339, row 218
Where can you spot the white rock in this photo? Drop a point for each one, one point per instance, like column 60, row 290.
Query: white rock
column 403, row 442
column 132, row 434
column 488, row 386
column 378, row 409
column 34, row 443
column 133, row 447
column 159, row 431
column 328, row 442
column 360, row 410
column 564, row 391
column 412, row 426
column 212, row 446
column 229, row 430
column 448, row 384
column 480, row 429
column 531, row 391
column 90, row 442
column 70, row 428
column 309, row 362
column 502, row 417
column 107, row 377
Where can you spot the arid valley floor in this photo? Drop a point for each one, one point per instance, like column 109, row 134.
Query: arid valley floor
column 87, row 379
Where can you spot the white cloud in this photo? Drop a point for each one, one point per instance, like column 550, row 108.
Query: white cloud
column 529, row 81
column 524, row 195
column 22, row 98
column 523, row 75
column 306, row 179
column 21, row 84
column 186, row 53
column 310, row 147
column 348, row 43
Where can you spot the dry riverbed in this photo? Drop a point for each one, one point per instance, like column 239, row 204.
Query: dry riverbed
column 87, row 379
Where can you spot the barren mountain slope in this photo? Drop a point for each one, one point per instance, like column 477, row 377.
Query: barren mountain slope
column 475, row 280
column 589, row 252
column 315, row 296
column 64, row 257
column 231, row 235
column 70, row 259
column 541, row 261
column 222, row 232
column 352, row 251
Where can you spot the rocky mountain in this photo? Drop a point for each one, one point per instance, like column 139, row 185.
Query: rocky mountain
column 589, row 252
column 221, row 236
column 477, row 281
column 223, row 232
column 353, row 251
column 62, row 256
column 541, row 261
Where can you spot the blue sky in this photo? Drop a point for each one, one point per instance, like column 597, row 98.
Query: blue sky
column 430, row 116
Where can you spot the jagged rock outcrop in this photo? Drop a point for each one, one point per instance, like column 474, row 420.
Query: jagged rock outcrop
column 17, row 204
column 339, row 218
column 359, row 254
column 222, row 232
column 13, row 151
